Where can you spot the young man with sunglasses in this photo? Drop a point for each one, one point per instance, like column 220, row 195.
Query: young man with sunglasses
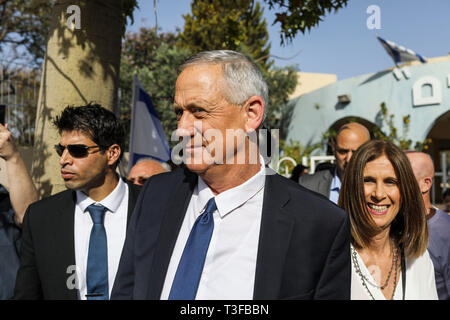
column 72, row 241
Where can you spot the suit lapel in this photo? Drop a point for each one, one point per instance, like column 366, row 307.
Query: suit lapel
column 275, row 234
column 168, row 234
column 133, row 193
column 64, row 234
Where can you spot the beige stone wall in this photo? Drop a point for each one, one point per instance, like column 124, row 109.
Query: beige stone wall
column 308, row 82
column 80, row 66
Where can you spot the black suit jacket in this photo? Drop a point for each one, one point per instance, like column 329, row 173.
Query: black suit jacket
column 303, row 250
column 48, row 247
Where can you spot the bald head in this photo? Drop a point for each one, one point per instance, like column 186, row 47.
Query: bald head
column 421, row 163
column 356, row 129
column 423, row 169
column 143, row 170
column 349, row 138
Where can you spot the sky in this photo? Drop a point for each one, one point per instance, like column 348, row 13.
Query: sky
column 342, row 43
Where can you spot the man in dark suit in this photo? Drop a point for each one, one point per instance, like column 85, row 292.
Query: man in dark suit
column 328, row 182
column 227, row 227
column 72, row 241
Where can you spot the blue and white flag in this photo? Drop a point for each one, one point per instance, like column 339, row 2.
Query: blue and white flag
column 399, row 53
column 147, row 136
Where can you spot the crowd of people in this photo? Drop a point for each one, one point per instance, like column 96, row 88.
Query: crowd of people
column 219, row 227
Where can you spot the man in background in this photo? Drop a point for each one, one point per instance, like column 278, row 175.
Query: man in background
column 348, row 139
column 438, row 223
column 144, row 169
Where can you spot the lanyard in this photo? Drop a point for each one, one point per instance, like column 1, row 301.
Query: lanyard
column 403, row 264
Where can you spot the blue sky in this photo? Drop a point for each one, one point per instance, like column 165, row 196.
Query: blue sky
column 342, row 44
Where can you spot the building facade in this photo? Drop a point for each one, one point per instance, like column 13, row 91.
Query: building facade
column 416, row 93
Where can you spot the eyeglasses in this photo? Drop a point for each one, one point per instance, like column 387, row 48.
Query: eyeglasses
column 75, row 150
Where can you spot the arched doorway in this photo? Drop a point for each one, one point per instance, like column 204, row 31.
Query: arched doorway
column 440, row 152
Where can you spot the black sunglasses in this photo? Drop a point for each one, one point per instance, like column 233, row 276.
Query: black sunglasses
column 75, row 150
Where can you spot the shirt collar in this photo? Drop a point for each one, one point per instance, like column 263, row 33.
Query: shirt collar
column 111, row 202
column 336, row 182
column 232, row 198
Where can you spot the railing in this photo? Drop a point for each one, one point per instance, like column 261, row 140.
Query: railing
column 20, row 98
column 314, row 159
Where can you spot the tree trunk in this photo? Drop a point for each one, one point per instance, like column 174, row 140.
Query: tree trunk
column 80, row 66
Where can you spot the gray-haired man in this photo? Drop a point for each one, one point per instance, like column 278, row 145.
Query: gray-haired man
column 223, row 228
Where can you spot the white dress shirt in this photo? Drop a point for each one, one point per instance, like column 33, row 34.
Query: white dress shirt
column 230, row 264
column 115, row 225
column 335, row 187
column 420, row 284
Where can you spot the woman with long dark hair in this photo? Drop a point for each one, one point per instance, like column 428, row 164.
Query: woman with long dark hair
column 388, row 226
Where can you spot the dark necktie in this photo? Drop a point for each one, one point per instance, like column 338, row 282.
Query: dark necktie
column 97, row 266
column 187, row 277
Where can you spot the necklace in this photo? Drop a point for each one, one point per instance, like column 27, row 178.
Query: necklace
column 395, row 281
column 358, row 271
column 365, row 279
column 394, row 263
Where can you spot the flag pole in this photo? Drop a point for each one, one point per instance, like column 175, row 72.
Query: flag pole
column 133, row 109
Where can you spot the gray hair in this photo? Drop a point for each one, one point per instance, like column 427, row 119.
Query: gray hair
column 242, row 76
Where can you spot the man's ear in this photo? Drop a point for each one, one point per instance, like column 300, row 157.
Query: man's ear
column 426, row 184
column 113, row 154
column 254, row 109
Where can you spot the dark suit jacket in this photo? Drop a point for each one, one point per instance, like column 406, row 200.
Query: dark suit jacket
column 48, row 247
column 319, row 182
column 9, row 246
column 303, row 251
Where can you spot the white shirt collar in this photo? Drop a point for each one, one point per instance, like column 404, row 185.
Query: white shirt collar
column 111, row 202
column 336, row 182
column 233, row 198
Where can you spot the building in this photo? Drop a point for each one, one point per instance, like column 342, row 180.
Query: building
column 416, row 93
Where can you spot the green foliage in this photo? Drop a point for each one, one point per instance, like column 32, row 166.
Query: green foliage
column 227, row 24
column 155, row 59
column 301, row 15
column 281, row 82
column 402, row 141
column 25, row 24
column 138, row 48
column 296, row 151
column 239, row 25
column 128, row 7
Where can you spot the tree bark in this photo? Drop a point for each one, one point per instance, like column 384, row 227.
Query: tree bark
column 80, row 66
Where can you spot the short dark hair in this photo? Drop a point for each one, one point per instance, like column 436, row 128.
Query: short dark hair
column 100, row 124
column 409, row 228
